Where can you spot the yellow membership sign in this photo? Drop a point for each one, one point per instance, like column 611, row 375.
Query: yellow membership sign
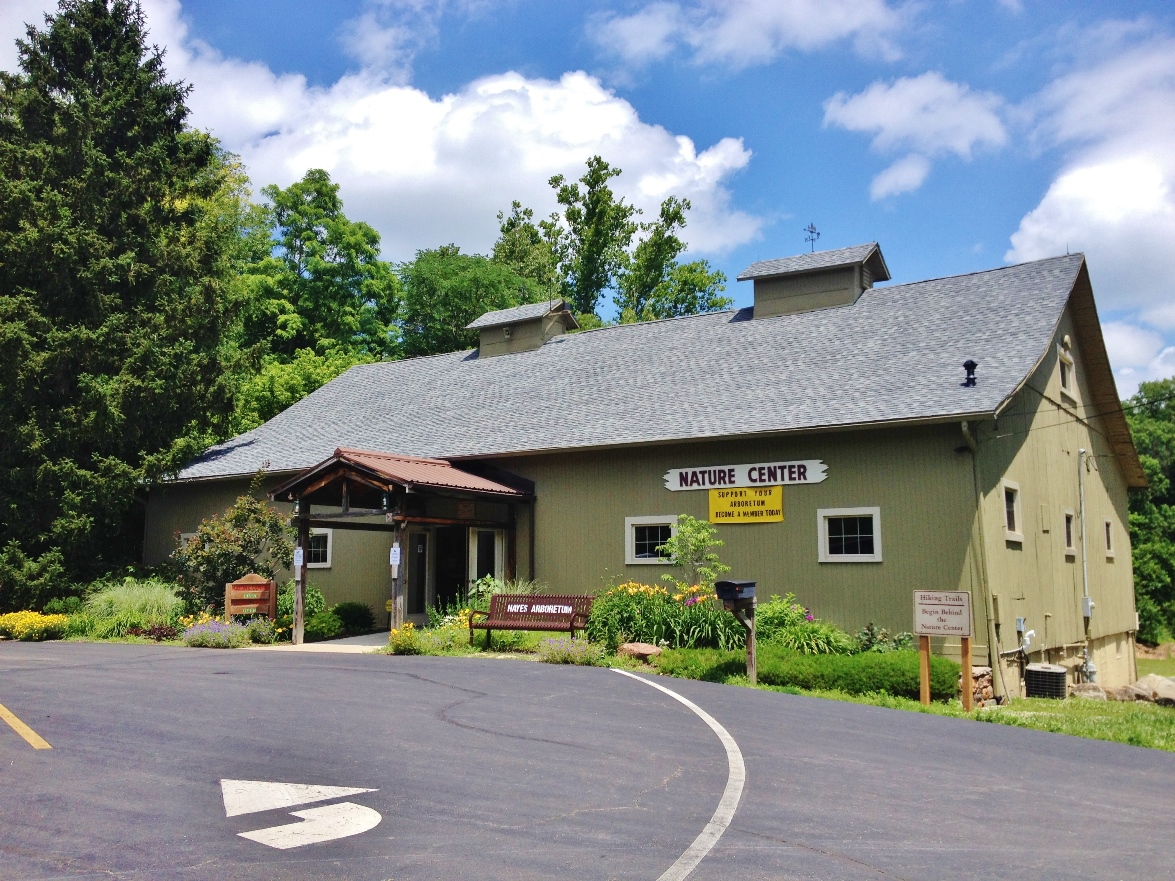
column 757, row 504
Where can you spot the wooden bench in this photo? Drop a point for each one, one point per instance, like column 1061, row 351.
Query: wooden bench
column 563, row 614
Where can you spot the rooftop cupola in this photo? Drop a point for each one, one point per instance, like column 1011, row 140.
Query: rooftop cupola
column 815, row 281
column 522, row 328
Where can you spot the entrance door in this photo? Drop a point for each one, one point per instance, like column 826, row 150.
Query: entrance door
column 417, row 572
column 487, row 553
column 452, row 566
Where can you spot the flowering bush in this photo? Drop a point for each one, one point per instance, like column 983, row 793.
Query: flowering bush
column 216, row 634
column 570, row 650
column 33, row 626
column 261, row 630
column 402, row 640
column 783, row 622
column 689, row 618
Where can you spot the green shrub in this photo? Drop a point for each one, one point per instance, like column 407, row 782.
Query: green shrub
column 315, row 601
column 217, row 635
column 356, row 617
column 570, row 650
column 261, row 630
column 63, row 606
column 870, row 638
column 114, row 609
column 707, row 665
column 783, row 622
column 643, row 613
column 893, row 673
column 323, row 625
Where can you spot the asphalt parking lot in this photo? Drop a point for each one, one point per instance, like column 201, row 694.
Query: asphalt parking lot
column 171, row 763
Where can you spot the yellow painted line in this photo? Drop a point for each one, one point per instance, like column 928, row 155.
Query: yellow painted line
column 35, row 740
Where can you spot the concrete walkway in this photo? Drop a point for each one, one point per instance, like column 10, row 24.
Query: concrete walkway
column 351, row 645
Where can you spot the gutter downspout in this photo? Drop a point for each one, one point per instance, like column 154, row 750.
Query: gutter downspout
column 1088, row 670
column 993, row 651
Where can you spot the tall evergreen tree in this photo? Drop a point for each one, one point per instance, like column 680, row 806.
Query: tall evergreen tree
column 118, row 231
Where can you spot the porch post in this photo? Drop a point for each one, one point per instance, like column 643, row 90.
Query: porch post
column 398, row 581
column 300, row 573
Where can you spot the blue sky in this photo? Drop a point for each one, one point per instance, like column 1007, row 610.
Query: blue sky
column 960, row 135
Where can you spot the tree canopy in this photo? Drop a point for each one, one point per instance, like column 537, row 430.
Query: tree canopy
column 1151, row 413
column 118, row 240
column 444, row 290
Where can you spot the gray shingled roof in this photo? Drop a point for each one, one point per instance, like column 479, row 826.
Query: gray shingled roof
column 806, row 262
column 896, row 354
column 515, row 314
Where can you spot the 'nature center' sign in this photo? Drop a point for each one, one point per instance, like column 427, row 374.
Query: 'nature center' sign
column 758, row 474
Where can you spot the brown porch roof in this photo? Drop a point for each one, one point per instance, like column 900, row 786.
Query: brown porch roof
column 389, row 471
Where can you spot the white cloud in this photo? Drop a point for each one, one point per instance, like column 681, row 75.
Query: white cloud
column 928, row 115
column 903, row 176
column 741, row 33
column 425, row 171
column 1114, row 195
column 14, row 15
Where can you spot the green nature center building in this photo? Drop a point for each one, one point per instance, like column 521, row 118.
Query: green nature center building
column 830, row 432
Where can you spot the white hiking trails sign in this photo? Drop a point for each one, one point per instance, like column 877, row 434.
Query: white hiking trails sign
column 942, row 613
column 318, row 824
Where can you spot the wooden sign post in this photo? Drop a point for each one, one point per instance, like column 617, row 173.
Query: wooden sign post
column 252, row 595
column 943, row 613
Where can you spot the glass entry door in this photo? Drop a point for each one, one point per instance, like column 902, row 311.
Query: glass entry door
column 487, row 553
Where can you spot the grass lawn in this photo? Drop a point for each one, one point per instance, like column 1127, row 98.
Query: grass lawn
column 1163, row 666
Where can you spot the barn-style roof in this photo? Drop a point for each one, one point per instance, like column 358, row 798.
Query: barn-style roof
column 895, row 356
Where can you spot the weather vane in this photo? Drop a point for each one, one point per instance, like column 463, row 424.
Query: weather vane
column 812, row 235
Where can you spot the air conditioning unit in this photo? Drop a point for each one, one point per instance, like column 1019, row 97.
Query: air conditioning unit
column 1045, row 680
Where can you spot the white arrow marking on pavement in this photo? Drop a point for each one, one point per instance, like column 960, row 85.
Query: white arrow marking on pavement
column 321, row 824
column 251, row 796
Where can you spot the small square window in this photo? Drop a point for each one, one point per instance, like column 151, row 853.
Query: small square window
column 849, row 535
column 318, row 553
column 1013, row 518
column 644, row 536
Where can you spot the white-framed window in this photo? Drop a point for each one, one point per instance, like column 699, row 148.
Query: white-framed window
column 643, row 535
column 1013, row 516
column 1108, row 530
column 1068, row 374
column 186, row 537
column 1070, row 533
column 318, row 554
column 849, row 535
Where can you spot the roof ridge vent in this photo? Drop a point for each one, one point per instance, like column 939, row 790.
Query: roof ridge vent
column 817, row 280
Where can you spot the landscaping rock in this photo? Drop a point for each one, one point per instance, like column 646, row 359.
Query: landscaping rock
column 642, row 651
column 981, row 684
column 1089, row 691
column 1128, row 693
column 1159, row 688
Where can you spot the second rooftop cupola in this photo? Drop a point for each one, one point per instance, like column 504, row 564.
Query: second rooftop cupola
column 815, row 281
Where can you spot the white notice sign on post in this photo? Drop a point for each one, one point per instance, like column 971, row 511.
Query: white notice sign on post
column 942, row 613
column 394, row 556
column 298, row 558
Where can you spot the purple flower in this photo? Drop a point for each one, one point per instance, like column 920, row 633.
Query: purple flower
column 691, row 601
column 809, row 617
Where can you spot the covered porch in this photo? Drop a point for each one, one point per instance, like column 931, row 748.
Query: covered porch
column 449, row 525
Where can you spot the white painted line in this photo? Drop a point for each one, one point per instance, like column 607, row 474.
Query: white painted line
column 319, row 824
column 727, row 805
column 252, row 796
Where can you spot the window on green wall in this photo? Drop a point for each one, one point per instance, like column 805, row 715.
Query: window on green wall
column 318, row 554
column 644, row 535
column 849, row 535
column 1013, row 518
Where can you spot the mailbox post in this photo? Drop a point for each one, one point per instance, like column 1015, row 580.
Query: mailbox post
column 738, row 598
